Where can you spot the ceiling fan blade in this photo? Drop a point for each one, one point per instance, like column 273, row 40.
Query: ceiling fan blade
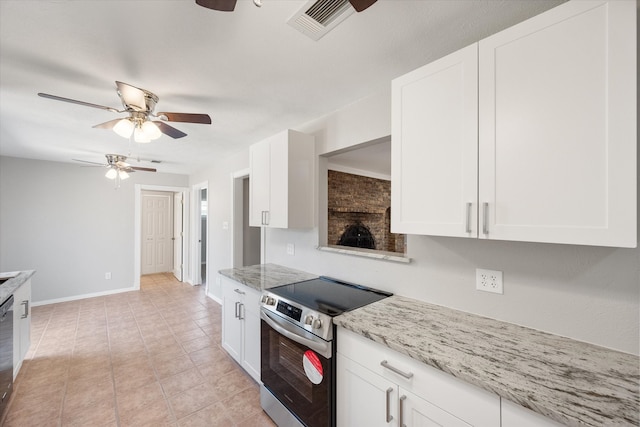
column 91, row 163
column 221, row 5
column 75, row 101
column 142, row 169
column 169, row 130
column 187, row 118
column 132, row 96
column 360, row 5
column 107, row 125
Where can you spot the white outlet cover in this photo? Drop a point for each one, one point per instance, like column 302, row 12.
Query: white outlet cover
column 291, row 249
column 489, row 281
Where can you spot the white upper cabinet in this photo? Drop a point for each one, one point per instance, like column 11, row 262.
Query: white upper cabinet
column 434, row 168
column 554, row 138
column 558, row 127
column 281, row 184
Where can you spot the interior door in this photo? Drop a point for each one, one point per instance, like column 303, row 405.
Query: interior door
column 157, row 227
column 178, row 244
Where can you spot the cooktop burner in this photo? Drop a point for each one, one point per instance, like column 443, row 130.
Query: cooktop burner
column 329, row 296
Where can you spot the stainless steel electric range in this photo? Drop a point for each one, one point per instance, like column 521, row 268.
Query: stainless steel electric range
column 298, row 348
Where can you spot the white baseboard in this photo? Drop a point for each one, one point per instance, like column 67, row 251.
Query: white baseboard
column 83, row 296
column 213, row 297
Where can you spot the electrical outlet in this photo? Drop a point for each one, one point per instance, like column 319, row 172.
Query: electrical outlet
column 107, row 276
column 489, row 281
column 291, row 249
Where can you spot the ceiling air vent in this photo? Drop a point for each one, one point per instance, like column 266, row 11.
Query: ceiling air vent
column 318, row 17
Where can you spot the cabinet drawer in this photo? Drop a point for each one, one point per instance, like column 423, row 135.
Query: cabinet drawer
column 470, row 403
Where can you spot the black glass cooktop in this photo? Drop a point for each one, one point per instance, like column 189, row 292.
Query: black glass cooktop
column 329, row 296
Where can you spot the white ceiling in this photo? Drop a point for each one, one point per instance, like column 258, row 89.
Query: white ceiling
column 250, row 71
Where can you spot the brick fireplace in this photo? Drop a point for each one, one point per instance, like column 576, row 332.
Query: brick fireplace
column 362, row 203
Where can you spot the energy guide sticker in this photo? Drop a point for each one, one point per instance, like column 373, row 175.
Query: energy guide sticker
column 312, row 367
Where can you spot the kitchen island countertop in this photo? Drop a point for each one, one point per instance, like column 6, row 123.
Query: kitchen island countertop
column 572, row 382
column 10, row 286
column 265, row 276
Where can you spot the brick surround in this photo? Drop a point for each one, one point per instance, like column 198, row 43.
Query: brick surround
column 356, row 198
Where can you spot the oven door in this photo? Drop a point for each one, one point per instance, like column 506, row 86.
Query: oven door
column 298, row 368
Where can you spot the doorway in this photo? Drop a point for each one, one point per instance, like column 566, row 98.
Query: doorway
column 179, row 236
column 247, row 241
column 200, row 233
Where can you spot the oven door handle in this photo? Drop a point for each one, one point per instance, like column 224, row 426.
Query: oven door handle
column 320, row 346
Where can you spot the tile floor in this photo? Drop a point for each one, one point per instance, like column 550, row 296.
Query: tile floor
column 146, row 358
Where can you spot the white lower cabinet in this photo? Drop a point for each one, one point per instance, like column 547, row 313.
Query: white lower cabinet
column 377, row 386
column 21, row 325
column 241, row 325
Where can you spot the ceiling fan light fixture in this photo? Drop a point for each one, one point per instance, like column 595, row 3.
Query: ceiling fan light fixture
column 111, row 173
column 123, row 174
column 124, row 128
column 140, row 136
column 151, row 130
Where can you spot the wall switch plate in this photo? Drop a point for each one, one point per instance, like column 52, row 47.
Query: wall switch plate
column 489, row 281
column 107, row 276
column 291, row 249
column 225, row 225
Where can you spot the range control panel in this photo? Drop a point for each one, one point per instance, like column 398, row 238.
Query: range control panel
column 317, row 323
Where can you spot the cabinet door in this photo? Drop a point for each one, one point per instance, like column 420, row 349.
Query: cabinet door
column 279, row 182
column 435, row 148
column 417, row 412
column 364, row 398
column 21, row 325
column 251, row 347
column 558, row 127
column 259, row 182
column 231, row 324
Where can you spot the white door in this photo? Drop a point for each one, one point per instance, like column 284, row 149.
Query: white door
column 178, row 214
column 434, row 150
column 558, row 127
column 157, row 230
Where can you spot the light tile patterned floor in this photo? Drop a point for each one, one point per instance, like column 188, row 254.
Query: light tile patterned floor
column 147, row 358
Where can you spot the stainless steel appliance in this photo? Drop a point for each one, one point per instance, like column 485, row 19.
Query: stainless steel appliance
column 298, row 348
column 6, row 352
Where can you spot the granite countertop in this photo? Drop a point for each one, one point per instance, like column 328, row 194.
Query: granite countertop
column 9, row 287
column 265, row 276
column 572, row 382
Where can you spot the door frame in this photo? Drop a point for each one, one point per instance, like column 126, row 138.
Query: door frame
column 137, row 228
column 196, row 231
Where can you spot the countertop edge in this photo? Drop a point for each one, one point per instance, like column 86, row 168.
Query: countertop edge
column 10, row 286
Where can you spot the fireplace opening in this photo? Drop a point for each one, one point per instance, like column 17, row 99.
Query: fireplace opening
column 357, row 235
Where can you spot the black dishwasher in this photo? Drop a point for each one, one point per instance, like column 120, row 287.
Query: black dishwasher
column 6, row 352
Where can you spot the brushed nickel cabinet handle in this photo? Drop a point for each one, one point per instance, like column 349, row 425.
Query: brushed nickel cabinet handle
column 389, row 416
column 400, row 414
column 238, row 291
column 236, row 313
column 241, row 311
column 468, row 219
column 485, row 218
column 25, row 303
column 385, row 364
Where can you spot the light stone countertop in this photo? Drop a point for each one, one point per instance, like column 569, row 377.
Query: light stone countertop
column 265, row 276
column 572, row 382
column 10, row 286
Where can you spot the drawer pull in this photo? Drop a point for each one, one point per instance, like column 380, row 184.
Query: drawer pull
column 238, row 291
column 385, row 364
column 389, row 416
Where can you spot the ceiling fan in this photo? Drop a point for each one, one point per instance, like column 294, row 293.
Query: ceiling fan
column 118, row 168
column 139, row 105
column 229, row 5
